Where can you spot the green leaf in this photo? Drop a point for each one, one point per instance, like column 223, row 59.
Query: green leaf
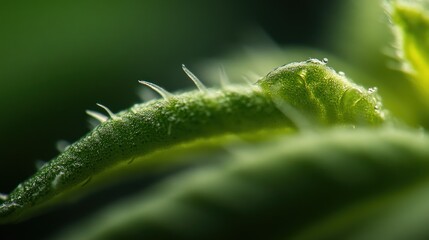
column 340, row 184
column 289, row 96
column 412, row 25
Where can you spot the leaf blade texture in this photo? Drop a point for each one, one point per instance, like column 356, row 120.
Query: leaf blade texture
column 332, row 185
column 289, row 96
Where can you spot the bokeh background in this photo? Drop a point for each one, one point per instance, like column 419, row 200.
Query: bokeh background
column 58, row 59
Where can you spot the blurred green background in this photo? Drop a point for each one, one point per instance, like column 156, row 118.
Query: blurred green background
column 57, row 59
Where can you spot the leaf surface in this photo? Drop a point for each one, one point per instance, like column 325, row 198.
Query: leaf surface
column 341, row 184
column 295, row 96
column 412, row 25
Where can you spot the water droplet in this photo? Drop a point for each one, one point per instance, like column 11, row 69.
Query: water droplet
column 314, row 60
column 324, row 61
column 372, row 90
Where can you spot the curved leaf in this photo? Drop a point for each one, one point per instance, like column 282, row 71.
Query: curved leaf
column 342, row 184
column 286, row 97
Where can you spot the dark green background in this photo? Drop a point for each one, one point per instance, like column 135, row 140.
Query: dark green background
column 58, row 59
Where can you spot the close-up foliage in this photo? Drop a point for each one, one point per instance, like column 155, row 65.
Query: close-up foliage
column 287, row 127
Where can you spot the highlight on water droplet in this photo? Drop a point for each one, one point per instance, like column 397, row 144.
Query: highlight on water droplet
column 314, row 60
column 324, row 61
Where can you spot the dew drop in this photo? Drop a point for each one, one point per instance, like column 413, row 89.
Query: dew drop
column 314, row 60
column 324, row 61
